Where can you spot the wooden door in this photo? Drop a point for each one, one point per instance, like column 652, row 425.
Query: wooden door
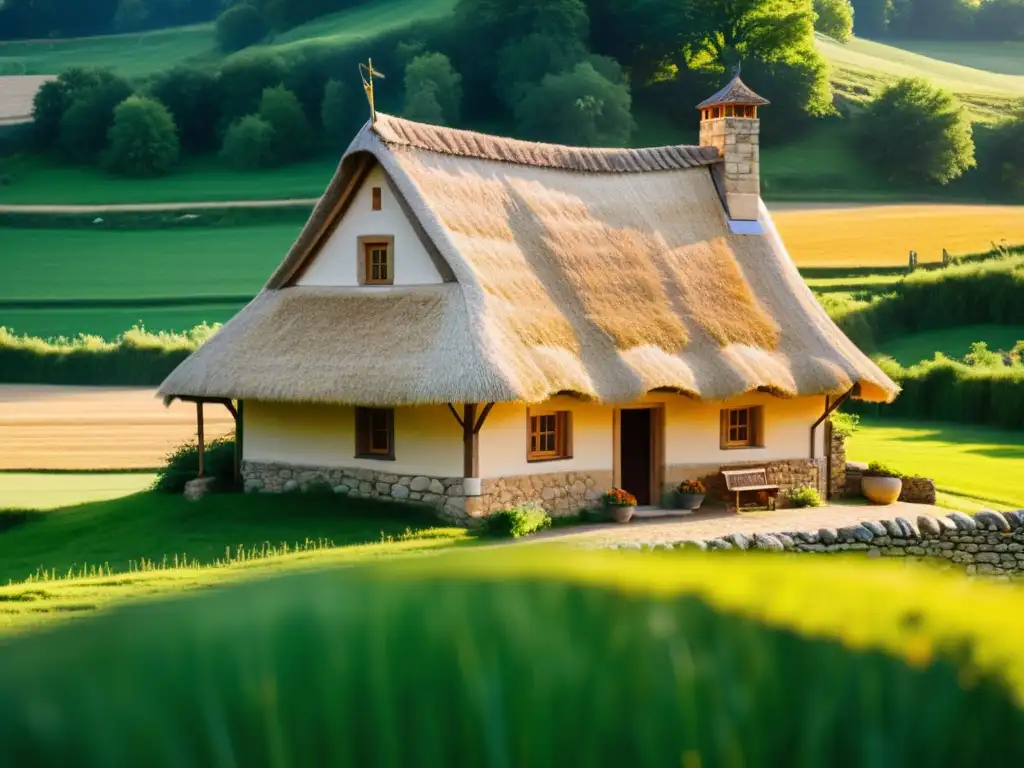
column 636, row 440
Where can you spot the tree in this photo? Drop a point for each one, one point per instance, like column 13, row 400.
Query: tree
column 193, row 97
column 239, row 27
column 580, row 107
column 341, row 113
column 48, row 107
column 143, row 138
column 243, row 80
column 249, row 144
column 1004, row 155
column 429, row 78
column 933, row 19
column 916, row 132
column 1000, row 20
column 94, row 95
column 292, row 136
column 524, row 61
column 834, row 18
column 872, row 17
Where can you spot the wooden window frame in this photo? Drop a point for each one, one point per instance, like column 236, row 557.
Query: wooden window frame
column 366, row 430
column 562, row 436
column 364, row 243
column 376, row 198
column 754, row 427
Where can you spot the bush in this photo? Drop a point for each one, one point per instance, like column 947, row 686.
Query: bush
column 249, row 144
column 239, row 27
column 136, row 358
column 877, row 469
column 580, row 107
column 182, row 465
column 433, row 90
column 517, row 522
column 704, row 649
column 143, row 139
column 803, row 496
column 845, row 424
column 914, row 132
column 291, row 136
column 192, row 95
column 834, row 18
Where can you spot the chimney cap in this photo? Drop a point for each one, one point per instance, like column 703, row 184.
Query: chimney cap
column 735, row 92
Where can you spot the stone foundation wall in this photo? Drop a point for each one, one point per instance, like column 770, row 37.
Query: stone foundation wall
column 788, row 475
column 916, row 489
column 445, row 494
column 988, row 544
column 562, row 494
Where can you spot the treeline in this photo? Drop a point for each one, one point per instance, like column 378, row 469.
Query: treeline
column 27, row 19
column 940, row 19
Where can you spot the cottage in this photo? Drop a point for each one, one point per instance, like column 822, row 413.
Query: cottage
column 473, row 322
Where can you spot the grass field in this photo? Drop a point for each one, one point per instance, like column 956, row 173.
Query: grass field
column 40, row 490
column 860, row 68
column 977, row 462
column 110, row 322
column 952, row 342
column 883, row 235
column 1006, row 57
column 87, row 428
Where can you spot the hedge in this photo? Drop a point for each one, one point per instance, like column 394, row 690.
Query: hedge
column 536, row 658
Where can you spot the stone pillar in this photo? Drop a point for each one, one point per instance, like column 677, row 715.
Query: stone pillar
column 737, row 139
column 837, row 448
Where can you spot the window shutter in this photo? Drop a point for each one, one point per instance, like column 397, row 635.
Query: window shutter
column 757, row 425
column 723, row 436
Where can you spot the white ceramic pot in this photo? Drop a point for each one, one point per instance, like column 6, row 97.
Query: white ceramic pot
column 881, row 490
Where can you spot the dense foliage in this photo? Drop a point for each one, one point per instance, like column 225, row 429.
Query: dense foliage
column 940, row 19
column 834, row 18
column 143, row 139
column 433, row 90
column 182, row 465
column 240, row 26
column 249, row 144
column 545, row 659
column 74, row 18
column 517, row 522
column 915, row 132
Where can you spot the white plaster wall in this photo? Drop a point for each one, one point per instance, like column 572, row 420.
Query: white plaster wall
column 503, row 439
column 428, row 440
column 691, row 434
column 337, row 262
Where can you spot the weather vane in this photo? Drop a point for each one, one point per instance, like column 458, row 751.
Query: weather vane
column 367, row 73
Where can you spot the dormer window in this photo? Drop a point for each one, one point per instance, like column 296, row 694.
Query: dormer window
column 376, row 199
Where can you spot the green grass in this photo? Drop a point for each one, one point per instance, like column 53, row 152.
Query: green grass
column 140, row 54
column 110, row 322
column 978, row 462
column 45, row 490
column 1005, row 57
column 860, row 68
column 952, row 342
column 120, row 533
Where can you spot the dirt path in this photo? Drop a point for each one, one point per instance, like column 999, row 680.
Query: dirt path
column 144, row 207
column 46, row 427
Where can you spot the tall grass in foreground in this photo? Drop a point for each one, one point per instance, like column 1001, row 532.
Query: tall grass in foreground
column 136, row 357
column 584, row 659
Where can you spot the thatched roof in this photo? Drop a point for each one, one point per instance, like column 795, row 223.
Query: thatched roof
column 605, row 273
column 734, row 92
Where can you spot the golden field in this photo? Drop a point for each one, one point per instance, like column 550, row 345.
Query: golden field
column 884, row 235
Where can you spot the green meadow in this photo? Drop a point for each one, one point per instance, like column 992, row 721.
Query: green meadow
column 951, row 342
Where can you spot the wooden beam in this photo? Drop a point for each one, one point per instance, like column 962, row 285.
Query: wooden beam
column 470, row 443
column 199, row 433
column 231, row 409
column 483, row 418
column 238, row 442
column 829, row 408
column 456, row 415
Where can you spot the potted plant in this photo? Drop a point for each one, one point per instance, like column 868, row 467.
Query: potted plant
column 620, row 504
column 880, row 484
column 690, row 494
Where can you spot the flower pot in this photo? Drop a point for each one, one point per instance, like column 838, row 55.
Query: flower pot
column 689, row 501
column 881, row 490
column 621, row 513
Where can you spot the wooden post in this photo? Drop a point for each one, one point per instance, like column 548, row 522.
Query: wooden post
column 239, row 437
column 199, row 431
column 470, row 443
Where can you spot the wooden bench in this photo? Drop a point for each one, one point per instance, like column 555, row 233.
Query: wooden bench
column 754, row 480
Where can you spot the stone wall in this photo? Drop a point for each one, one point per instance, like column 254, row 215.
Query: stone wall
column 445, row 494
column 837, row 450
column 988, row 544
column 916, row 489
column 737, row 140
column 788, row 475
column 562, row 494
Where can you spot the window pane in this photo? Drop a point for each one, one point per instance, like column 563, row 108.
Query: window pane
column 741, row 416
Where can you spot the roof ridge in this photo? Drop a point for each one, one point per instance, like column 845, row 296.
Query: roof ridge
column 398, row 132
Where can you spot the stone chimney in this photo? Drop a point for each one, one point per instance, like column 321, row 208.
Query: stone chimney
column 729, row 123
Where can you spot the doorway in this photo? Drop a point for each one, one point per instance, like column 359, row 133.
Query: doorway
column 636, row 453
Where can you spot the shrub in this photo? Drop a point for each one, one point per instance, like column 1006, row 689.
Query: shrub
column 249, row 144
column 182, row 465
column 517, row 522
column 192, row 95
column 291, row 136
column 803, row 496
column 834, row 18
column 143, row 138
column 239, row 27
column 580, row 107
column 914, row 132
column 906, row 664
column 877, row 469
column 844, row 424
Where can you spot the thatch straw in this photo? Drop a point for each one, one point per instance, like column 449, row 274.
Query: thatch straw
column 605, row 284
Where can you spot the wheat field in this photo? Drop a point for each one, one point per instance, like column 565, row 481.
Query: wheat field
column 884, row 235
